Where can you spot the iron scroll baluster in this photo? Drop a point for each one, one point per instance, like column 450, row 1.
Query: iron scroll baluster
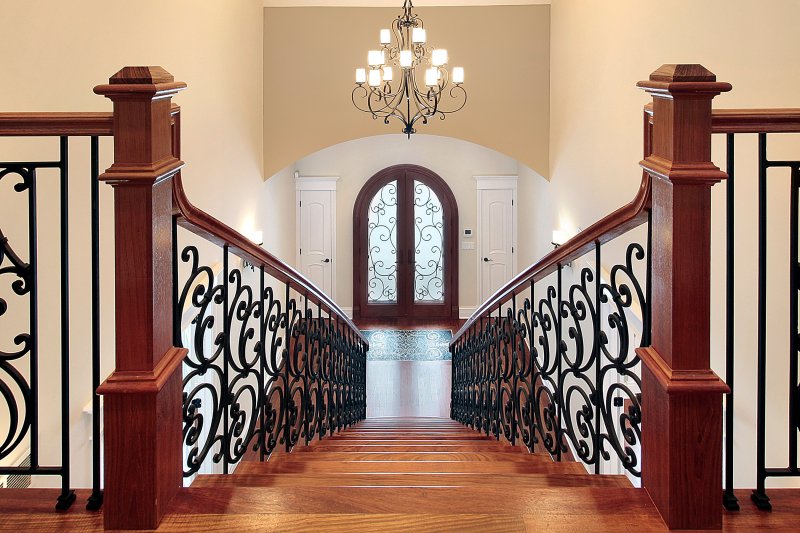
column 552, row 370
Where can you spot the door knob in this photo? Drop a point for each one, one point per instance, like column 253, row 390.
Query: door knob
column 486, row 259
column 326, row 260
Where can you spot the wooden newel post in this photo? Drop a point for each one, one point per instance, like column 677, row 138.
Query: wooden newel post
column 142, row 407
column 681, row 395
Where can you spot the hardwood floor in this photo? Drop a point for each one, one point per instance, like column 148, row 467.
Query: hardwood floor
column 400, row 474
column 408, row 388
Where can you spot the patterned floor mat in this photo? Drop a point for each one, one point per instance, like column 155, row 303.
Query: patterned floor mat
column 410, row 345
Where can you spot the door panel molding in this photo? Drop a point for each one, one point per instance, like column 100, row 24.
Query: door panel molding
column 484, row 186
column 406, row 305
column 309, row 186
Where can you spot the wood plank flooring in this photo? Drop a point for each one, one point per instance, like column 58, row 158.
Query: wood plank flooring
column 401, row 474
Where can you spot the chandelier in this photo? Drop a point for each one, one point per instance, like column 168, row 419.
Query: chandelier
column 424, row 88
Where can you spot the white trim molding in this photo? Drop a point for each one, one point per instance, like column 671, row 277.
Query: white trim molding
column 483, row 183
column 315, row 183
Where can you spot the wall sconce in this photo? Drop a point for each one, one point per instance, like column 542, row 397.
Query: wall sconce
column 559, row 238
column 257, row 237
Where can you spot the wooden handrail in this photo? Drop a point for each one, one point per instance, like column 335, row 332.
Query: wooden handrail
column 204, row 225
column 56, row 124
column 750, row 120
column 624, row 219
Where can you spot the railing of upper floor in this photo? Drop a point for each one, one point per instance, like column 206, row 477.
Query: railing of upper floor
column 600, row 351
column 212, row 361
column 29, row 408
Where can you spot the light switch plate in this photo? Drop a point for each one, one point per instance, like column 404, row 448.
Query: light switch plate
column 468, row 245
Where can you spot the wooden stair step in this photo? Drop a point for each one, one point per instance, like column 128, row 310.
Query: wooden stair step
column 412, row 456
column 544, row 466
column 426, row 447
column 519, row 481
column 601, row 505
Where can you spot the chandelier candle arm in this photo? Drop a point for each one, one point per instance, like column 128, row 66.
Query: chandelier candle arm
column 404, row 47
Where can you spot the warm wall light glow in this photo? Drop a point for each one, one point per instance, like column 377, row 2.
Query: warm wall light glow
column 386, row 36
column 388, row 74
column 559, row 237
column 458, row 74
column 361, row 75
column 406, row 58
column 257, row 237
column 439, row 57
column 418, row 36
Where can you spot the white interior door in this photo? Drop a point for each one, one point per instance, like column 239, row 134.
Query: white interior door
column 496, row 237
column 316, row 237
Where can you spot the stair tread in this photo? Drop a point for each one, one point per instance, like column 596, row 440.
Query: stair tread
column 410, row 480
column 411, row 456
column 476, row 467
column 586, row 501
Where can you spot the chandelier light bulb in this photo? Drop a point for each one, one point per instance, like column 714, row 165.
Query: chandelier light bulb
column 375, row 58
column 439, row 57
column 418, row 36
column 374, row 78
column 458, row 75
column 361, row 75
column 386, row 37
column 388, row 74
column 432, row 77
column 406, row 59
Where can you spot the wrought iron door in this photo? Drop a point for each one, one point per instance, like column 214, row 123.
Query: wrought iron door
column 404, row 251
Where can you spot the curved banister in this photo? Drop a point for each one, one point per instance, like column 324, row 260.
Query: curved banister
column 203, row 224
column 620, row 221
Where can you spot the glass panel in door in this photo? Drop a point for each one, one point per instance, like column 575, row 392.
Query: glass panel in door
column 428, row 245
column 382, row 272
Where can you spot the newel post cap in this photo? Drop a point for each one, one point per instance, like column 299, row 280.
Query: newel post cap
column 682, row 79
column 141, row 81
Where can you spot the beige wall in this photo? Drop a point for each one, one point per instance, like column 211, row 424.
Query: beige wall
column 456, row 161
column 310, row 57
column 56, row 52
column 599, row 50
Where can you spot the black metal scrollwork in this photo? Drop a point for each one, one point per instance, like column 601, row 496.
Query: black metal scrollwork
column 15, row 389
column 559, row 372
column 263, row 369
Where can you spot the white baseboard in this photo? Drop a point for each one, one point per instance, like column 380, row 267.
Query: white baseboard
column 465, row 312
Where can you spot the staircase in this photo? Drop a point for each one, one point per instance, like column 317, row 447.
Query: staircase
column 392, row 474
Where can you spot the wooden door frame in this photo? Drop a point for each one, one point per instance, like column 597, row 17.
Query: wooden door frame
column 450, row 218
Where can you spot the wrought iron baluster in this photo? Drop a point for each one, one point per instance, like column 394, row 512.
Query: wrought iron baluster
column 67, row 496
column 96, row 498
column 729, row 499
column 759, row 495
column 596, row 357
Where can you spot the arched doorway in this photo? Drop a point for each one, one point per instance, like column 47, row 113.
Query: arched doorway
column 405, row 236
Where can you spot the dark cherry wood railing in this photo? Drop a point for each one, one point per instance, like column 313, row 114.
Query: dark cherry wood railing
column 523, row 367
